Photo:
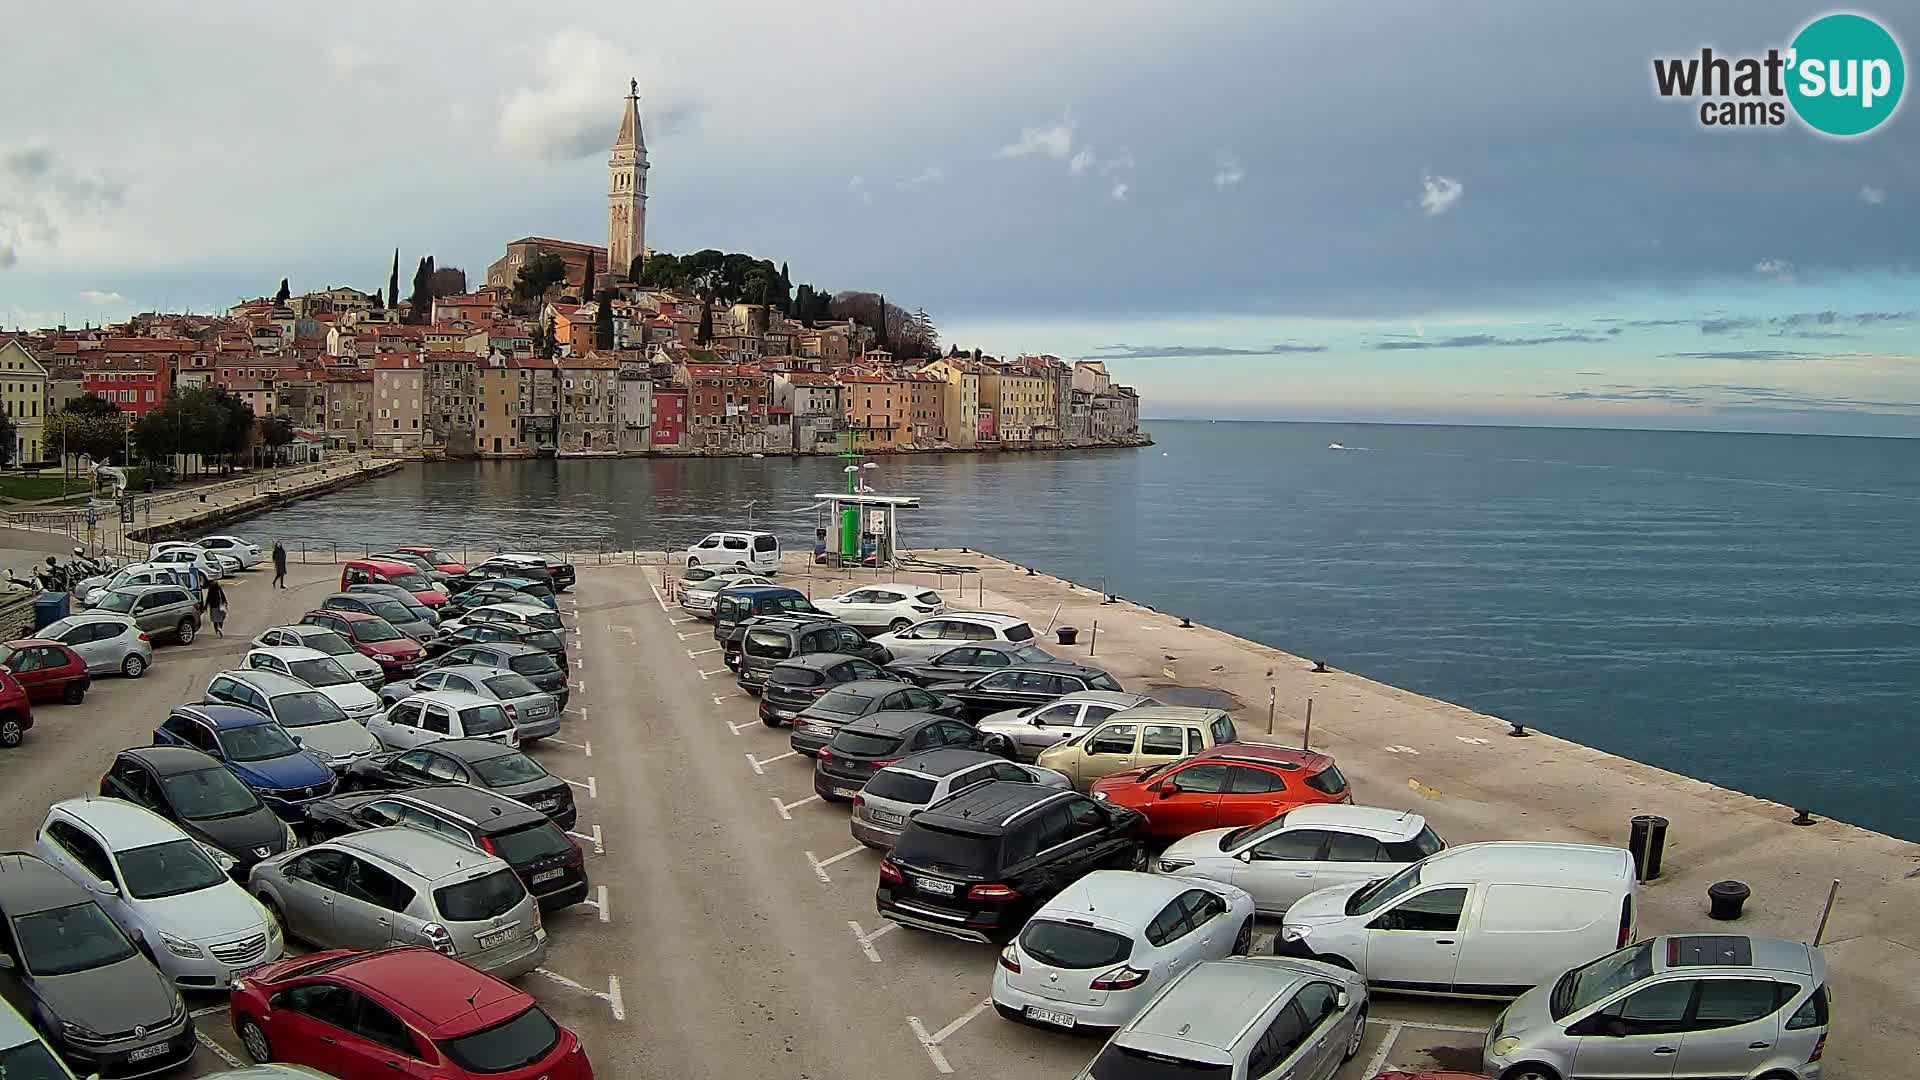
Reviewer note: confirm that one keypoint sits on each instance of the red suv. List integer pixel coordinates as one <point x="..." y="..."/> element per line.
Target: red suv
<point x="406" y="1012"/>
<point x="1231" y="785"/>
<point x="16" y="713"/>
<point x="397" y="654"/>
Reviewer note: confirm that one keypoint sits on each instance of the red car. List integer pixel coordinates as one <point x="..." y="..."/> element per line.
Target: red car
<point x="16" y="711"/>
<point x="387" y="572"/>
<point x="1231" y="785"/>
<point x="406" y="1012"/>
<point x="397" y="654"/>
<point x="49" y="670"/>
<point x="441" y="561"/>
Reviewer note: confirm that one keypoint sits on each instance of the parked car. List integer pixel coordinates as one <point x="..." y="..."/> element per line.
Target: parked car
<point x="1241" y="1018"/>
<point x="848" y="702"/>
<point x="498" y="566"/>
<point x="558" y="570"/>
<point x="373" y="637"/>
<point x="770" y="639"/>
<point x="757" y="552"/>
<point x="734" y="606"/>
<point x="697" y="599"/>
<point x="794" y="685"/>
<point x="323" y="673"/>
<point x="169" y="611"/>
<point x="284" y="774"/>
<point x="1294" y="853"/>
<point x="535" y="664"/>
<point x="329" y="642"/>
<point x="360" y="1016"/>
<point x="892" y="608"/>
<point x="398" y="615"/>
<point x="420" y="563"/>
<point x="1143" y="736"/>
<point x="244" y="552"/>
<point x="16" y="712"/>
<point x="497" y="591"/>
<point x="1482" y="920"/>
<point x="496" y="767"/>
<point x="309" y="716"/>
<point x="437" y="558"/>
<point x="362" y="571"/>
<point x="965" y="663"/>
<point x="1231" y="785"/>
<point x="170" y="893"/>
<point x="419" y="611"/>
<point x="110" y="644"/>
<point x="533" y="581"/>
<point x="441" y="714"/>
<point x="549" y="863"/>
<point x="977" y="865"/>
<point x="209" y="566"/>
<point x="1097" y="952"/>
<point x="898" y="791"/>
<point x="23" y="1053"/>
<point x="204" y="798"/>
<point x="405" y="886"/>
<point x="1033" y="729"/>
<point x="941" y="632"/>
<point x="102" y="1006"/>
<point x="534" y="712"/>
<point x="858" y="749"/>
<point x="1692" y="1005"/>
<point x="528" y="615"/>
<point x="1026" y="685"/>
<point x="49" y="670"/>
<point x="90" y="592"/>
<point x="505" y="633"/>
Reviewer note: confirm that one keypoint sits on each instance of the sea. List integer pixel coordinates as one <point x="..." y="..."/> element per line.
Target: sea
<point x="1740" y="608"/>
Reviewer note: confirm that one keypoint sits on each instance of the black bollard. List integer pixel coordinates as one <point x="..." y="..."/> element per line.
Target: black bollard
<point x="1647" y="839"/>
<point x="1067" y="634"/>
<point x="1519" y="730"/>
<point x="1725" y="898"/>
<point x="1802" y="817"/>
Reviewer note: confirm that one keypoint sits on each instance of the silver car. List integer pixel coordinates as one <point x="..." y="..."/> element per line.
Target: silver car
<point x="912" y="784"/>
<point x="404" y="886"/>
<point x="171" y="610"/>
<point x="1028" y="731"/>
<point x="326" y="640"/>
<point x="1692" y="1005"/>
<point x="697" y="599"/>
<point x="941" y="632"/>
<point x="535" y="714"/>
<point x="108" y="643"/>
<point x="309" y="715"/>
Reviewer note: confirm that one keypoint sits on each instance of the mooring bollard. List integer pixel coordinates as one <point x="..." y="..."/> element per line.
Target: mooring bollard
<point x="1802" y="817"/>
<point x="1067" y="634"/>
<point x="1518" y="730"/>
<point x="1725" y="899"/>
<point x="1186" y="623"/>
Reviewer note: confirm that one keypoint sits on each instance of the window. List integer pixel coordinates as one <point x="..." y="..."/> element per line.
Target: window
<point x="1435" y="912"/>
<point x="1113" y="739"/>
<point x="1202" y="907"/>
<point x="1300" y="845"/>
<point x="1316" y="1002"/>
<point x="1170" y="925"/>
<point x="1201" y="779"/>
<point x="1282" y="1038"/>
<point x="1163" y="740"/>
<point x="1729" y="1002"/>
<point x="1347" y="847"/>
<point x="324" y="1002"/>
<point x="367" y="882"/>
<point x="436" y="719"/>
<point x="324" y="867"/>
<point x="1652" y="1010"/>
<point x="84" y="849"/>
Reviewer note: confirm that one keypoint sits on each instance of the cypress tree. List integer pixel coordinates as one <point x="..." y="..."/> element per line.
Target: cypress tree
<point x="393" y="282"/>
<point x="603" y="322"/>
<point x="706" y="319"/>
<point x="586" y="283"/>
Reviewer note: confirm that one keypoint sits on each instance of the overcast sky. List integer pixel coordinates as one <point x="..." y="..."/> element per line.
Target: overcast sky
<point x="1275" y="210"/>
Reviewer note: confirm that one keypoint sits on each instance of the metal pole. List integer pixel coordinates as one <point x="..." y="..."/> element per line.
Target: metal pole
<point x="1055" y="615"/>
<point x="1269" y="710"/>
<point x="1094" y="638"/>
<point x="1833" y="891"/>
<point x="1306" y="737"/>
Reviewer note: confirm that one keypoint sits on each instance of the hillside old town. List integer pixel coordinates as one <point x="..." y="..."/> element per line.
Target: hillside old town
<point x="572" y="350"/>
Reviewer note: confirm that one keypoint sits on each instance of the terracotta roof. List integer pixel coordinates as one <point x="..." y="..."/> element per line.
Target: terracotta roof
<point x="450" y="356"/>
<point x="158" y="345"/>
<point x="532" y="363"/>
<point x="395" y="362"/>
<point x="561" y="245"/>
<point x="589" y="361"/>
<point x="810" y="378"/>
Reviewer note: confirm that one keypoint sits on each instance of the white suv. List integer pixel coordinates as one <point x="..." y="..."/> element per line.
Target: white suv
<point x="750" y="552"/>
<point x="930" y="635"/>
<point x="894" y="607"/>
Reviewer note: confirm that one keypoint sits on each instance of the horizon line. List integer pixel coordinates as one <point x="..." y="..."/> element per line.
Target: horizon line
<point x="1517" y="427"/>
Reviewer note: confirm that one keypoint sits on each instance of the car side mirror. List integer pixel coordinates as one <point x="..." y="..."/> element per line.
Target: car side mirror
<point x="6" y="962"/>
<point x="1340" y="999"/>
<point x="1245" y="856"/>
<point x="298" y="741"/>
<point x="1166" y="791"/>
<point x="107" y="888"/>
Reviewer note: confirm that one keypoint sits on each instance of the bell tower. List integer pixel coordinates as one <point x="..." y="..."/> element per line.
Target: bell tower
<point x="627" y="189"/>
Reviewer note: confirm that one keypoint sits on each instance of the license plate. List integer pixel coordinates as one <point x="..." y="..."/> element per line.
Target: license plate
<point x="547" y="804"/>
<point x="145" y="1052"/>
<point x="548" y="875"/>
<point x="845" y="793"/>
<point x="885" y="818"/>
<point x="938" y="888"/>
<point x="488" y="941"/>
<point x="1048" y="1016"/>
<point x="786" y="714"/>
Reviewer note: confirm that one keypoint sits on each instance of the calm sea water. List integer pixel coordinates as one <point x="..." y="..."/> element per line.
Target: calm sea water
<point x="1740" y="608"/>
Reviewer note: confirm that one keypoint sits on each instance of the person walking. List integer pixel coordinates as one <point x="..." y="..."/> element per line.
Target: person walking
<point x="217" y="607"/>
<point x="279" y="565"/>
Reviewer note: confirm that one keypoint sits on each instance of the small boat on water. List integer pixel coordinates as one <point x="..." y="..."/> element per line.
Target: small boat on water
<point x="1335" y="446"/>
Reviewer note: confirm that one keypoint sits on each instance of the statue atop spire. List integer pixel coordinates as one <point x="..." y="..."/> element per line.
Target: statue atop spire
<point x="633" y="88"/>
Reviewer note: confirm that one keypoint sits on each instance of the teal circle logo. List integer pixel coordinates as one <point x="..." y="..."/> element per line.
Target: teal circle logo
<point x="1847" y="74"/>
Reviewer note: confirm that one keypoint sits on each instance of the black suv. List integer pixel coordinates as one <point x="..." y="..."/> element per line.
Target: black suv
<point x="975" y="866"/>
<point x="773" y="638"/>
<point x="794" y="684"/>
<point x="548" y="862"/>
<point x="874" y="742"/>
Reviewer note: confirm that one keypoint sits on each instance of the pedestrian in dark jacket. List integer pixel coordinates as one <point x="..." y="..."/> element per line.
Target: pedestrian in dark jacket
<point x="279" y="565"/>
<point x="217" y="607"/>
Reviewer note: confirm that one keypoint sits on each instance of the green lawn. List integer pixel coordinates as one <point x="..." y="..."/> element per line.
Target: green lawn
<point x="45" y="486"/>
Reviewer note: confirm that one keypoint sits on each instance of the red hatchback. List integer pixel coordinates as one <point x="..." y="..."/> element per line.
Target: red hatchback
<point x="16" y="711"/>
<point x="373" y="637"/>
<point x="406" y="1012"/>
<point x="441" y="560"/>
<point x="49" y="670"/>
<point x="1228" y="786"/>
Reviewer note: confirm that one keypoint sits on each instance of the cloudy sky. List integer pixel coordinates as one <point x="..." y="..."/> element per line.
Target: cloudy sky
<point x="1362" y="211"/>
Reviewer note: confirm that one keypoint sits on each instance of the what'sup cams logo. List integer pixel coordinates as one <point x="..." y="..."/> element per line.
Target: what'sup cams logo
<point x="1842" y="76"/>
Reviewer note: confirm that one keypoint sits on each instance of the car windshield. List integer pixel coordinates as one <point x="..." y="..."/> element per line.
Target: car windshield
<point x="6" y="657"/>
<point x="900" y="787"/>
<point x="257" y="742"/>
<point x="1030" y="654"/>
<point x="1371" y="897"/>
<point x="544" y="639"/>
<point x="118" y="602"/>
<point x="169" y="869"/>
<point x="795" y="675"/>
<point x="533" y="664"/>
<point x="1584" y="986"/>
<point x="517" y="1043"/>
<point x="1118" y="1062"/>
<point x="506" y="686"/>
<point x="305" y="708"/>
<point x="1074" y="945"/>
<point x="61" y="941"/>
<point x="331" y="644"/>
<point x="325" y="671"/>
<point x="484" y="720"/>
<point x="31" y="1061"/>
<point x="508" y="769"/>
<point x="923" y="845"/>
<point x="848" y="702"/>
<point x="410" y="581"/>
<point x="205" y="794"/>
<point x="482" y="898"/>
<point x="371" y="630"/>
<point x="542" y="620"/>
<point x="1259" y="830"/>
<point x="538" y="841"/>
<point x="391" y="610"/>
<point x="1103" y="681"/>
<point x="864" y="744"/>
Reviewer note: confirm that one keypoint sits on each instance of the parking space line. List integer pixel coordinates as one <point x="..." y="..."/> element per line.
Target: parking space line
<point x="585" y="747"/>
<point x="599" y="845"/>
<point x="866" y="940"/>
<point x="219" y="1051"/>
<point x="684" y="637"/>
<point x="931" y="1043"/>
<point x="760" y="766"/>
<point x="737" y="728"/>
<point x="611" y="996"/>
<point x="590" y="787"/>
<point x="715" y="671"/>
<point x="658" y="599"/>
<point x="580" y="662"/>
<point x="208" y="1011"/>
<point x="671" y="621"/>
<point x="722" y="699"/>
<point x="1386" y="1049"/>
<point x="694" y="655"/>
<point x="783" y="808"/>
<point x="820" y="865"/>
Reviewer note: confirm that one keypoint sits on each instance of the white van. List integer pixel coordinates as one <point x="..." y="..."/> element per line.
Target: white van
<point x="752" y="552"/>
<point x="1483" y="920"/>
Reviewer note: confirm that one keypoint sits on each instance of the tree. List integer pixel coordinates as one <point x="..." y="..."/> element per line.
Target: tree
<point x="92" y="405"/>
<point x="8" y="437"/>
<point x="393" y="282"/>
<point x="281" y="296"/>
<point x="99" y="436"/>
<point x="706" y="319"/>
<point x="603" y="322"/>
<point x="420" y="300"/>
<point x="586" y="282"/>
<point x="547" y="336"/>
<point x="447" y="281"/>
<point x="378" y="303"/>
<point x="276" y="432"/>
<point x="786" y="287"/>
<point x="537" y="275"/>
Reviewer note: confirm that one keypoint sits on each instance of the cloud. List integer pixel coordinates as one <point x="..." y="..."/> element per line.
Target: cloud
<point x="1439" y="193"/>
<point x="1871" y="195"/>
<point x="1866" y="317"/>
<point x="104" y="299"/>
<point x="928" y="175"/>
<point x="1484" y="341"/>
<point x="1123" y="161"/>
<point x="1728" y="325"/>
<point x="1054" y="140"/>
<point x="1744" y="354"/>
<point x="1724" y="397"/>
<point x="1778" y="269"/>
<point x="572" y="108"/>
<point x="856" y="181"/>
<point x="1081" y="162"/>
<point x="1229" y="173"/>
<point x="39" y="192"/>
<point x="354" y="65"/>
<point x="1145" y="352"/>
<point x="1120" y="192"/>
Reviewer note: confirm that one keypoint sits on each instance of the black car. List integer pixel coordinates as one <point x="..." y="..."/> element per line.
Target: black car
<point x="976" y="865"/>
<point x="480" y="762"/>
<point x="1026" y="684"/>
<point x="531" y="661"/>
<point x="203" y="797"/>
<point x="549" y="863"/>
<point x="872" y="743"/>
<point x="773" y="638"/>
<point x="850" y="701"/>
<point x="793" y="685"/>
<point x="965" y="663"/>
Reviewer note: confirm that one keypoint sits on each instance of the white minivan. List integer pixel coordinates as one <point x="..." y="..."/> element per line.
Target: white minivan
<point x="1483" y="920"/>
<point x="752" y="552"/>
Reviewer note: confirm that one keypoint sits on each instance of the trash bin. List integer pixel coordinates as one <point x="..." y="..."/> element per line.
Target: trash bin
<point x="1725" y="899"/>
<point x="1648" y="842"/>
<point x="49" y="608"/>
<point x="1067" y="634"/>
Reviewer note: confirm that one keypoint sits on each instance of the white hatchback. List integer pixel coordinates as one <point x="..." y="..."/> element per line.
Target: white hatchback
<point x="246" y="553"/>
<point x="323" y="673"/>
<point x="1096" y="953"/>
<point x="930" y="636"/>
<point x="883" y="607"/>
<point x="443" y="714"/>
<point x="1288" y="856"/>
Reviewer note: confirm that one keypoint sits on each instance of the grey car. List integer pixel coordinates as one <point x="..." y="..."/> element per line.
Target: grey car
<point x="405" y="886"/>
<point x="65" y="965"/>
<point x="421" y="612"/>
<point x="815" y="725"/>
<point x="110" y="644"/>
<point x="535" y="713"/>
<point x="1022" y="733"/>
<point x="323" y="639"/>
<point x="913" y="783"/>
<point x="161" y="610"/>
<point x="1692" y="1005"/>
<point x="309" y="715"/>
<point x="400" y="615"/>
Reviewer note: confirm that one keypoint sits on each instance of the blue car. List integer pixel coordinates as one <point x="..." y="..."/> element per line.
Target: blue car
<point x="256" y="749"/>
